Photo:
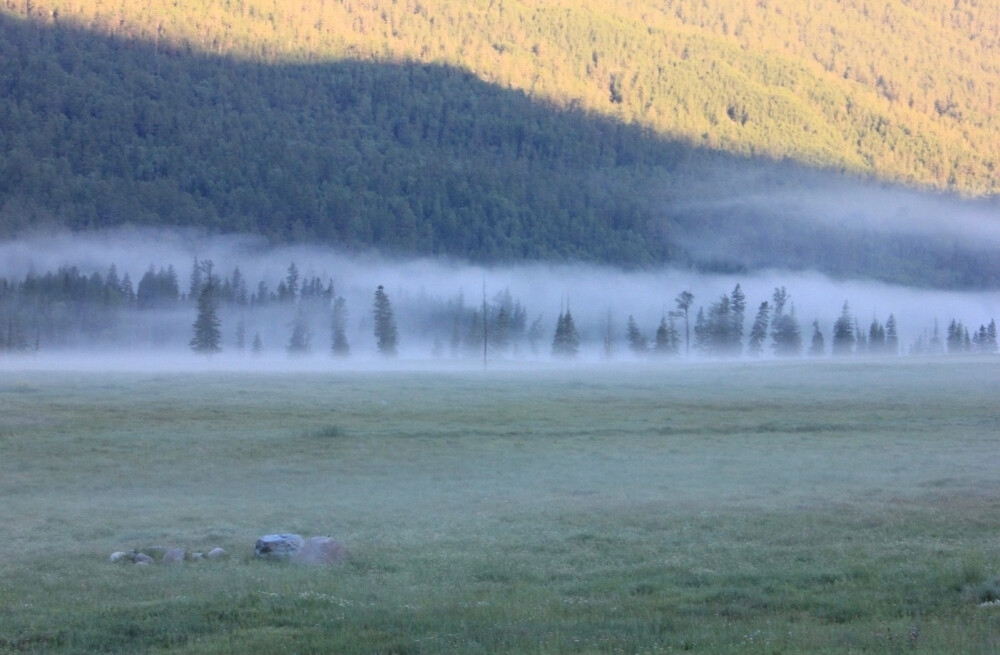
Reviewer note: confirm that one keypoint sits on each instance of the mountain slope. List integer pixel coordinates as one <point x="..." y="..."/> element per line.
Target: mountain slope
<point x="904" y="90"/>
<point x="107" y="125"/>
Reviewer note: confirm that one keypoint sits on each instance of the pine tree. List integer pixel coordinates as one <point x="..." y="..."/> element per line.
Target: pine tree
<point x="338" y="325"/>
<point x="258" y="344"/>
<point x="737" y="314"/>
<point x="386" y="335"/>
<point x="301" y="338"/>
<point x="785" y="333"/>
<point x="566" y="342"/>
<point x="843" y="333"/>
<point x="194" y="290"/>
<point x="637" y="341"/>
<point x="207" y="335"/>
<point x="667" y="339"/>
<point x="891" y="336"/>
<point x="499" y="336"/>
<point x="758" y="333"/>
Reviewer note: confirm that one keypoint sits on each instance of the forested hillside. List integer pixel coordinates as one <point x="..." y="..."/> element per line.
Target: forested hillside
<point x="499" y="131"/>
<point x="908" y="90"/>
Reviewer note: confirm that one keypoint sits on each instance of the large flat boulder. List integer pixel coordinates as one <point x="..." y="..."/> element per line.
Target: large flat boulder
<point x="278" y="546"/>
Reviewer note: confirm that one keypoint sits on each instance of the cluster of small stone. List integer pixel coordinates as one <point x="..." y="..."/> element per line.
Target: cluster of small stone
<point x="168" y="556"/>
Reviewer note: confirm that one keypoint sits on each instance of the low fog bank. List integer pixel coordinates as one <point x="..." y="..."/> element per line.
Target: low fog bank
<point x="435" y="304"/>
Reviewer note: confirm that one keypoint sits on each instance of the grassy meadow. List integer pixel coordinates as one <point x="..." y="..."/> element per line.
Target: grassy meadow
<point x="801" y="507"/>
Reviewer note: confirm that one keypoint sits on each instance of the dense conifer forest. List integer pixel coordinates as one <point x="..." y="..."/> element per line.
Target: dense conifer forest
<point x="504" y="131"/>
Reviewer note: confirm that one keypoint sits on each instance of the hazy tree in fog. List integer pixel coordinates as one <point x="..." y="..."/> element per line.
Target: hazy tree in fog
<point x="860" y="341"/>
<point x="667" y="342"/>
<point x="566" y="341"/>
<point x="195" y="287"/>
<point x="258" y="345"/>
<point x="291" y="284"/>
<point x="758" y="332"/>
<point x="891" y="336"/>
<point x="637" y="341"/>
<point x="684" y="301"/>
<point x="817" y="348"/>
<point x="876" y="338"/>
<point x="609" y="338"/>
<point x="843" y="333"/>
<point x="737" y="314"/>
<point x="241" y="334"/>
<point x="499" y="336"/>
<point x="338" y="326"/>
<point x="207" y="335"/>
<point x="473" y="343"/>
<point x="535" y="335"/>
<point x="128" y="293"/>
<point x="785" y="333"/>
<point x="958" y="338"/>
<point x="386" y="334"/>
<point x="300" y="338"/>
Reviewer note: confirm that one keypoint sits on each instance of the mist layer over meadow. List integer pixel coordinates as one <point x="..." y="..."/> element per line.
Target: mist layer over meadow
<point x="437" y="304"/>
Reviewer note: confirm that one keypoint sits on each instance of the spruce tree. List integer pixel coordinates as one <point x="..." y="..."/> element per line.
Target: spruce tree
<point x="891" y="336"/>
<point x="386" y="335"/>
<point x="737" y="314"/>
<point x="785" y="333"/>
<point x="843" y="332"/>
<point x="637" y="341"/>
<point x="758" y="332"/>
<point x="300" y="339"/>
<point x="566" y="341"/>
<point x="207" y="334"/>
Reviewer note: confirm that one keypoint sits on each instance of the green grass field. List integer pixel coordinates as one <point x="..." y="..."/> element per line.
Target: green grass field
<point x="830" y="507"/>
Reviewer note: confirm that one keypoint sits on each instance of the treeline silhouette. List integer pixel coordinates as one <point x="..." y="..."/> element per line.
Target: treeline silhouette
<point x="69" y="309"/>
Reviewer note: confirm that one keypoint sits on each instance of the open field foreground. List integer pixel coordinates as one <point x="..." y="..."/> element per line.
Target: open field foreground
<point x="820" y="507"/>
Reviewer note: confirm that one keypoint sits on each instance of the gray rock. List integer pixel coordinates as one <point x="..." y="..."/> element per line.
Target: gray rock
<point x="216" y="553"/>
<point x="278" y="546"/>
<point x="173" y="556"/>
<point x="142" y="558"/>
<point x="321" y="551"/>
<point x="117" y="556"/>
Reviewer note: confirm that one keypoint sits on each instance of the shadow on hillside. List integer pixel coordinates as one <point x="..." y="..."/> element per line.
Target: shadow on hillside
<point x="405" y="158"/>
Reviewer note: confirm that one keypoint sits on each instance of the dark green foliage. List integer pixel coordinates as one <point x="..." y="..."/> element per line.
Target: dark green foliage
<point x="566" y="341"/>
<point x="785" y="333"/>
<point x="637" y="341"/>
<point x="843" y="332"/>
<point x="300" y="339"/>
<point x="207" y="338"/>
<point x="102" y="131"/>
<point x="667" y="343"/>
<point x="386" y="333"/>
<point x="758" y="333"/>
